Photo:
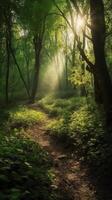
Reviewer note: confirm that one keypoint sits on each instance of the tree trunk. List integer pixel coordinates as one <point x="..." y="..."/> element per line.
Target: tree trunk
<point x="38" y="40"/>
<point x="74" y="53"/>
<point x="83" y="87"/>
<point x="28" y="74"/>
<point x="101" y="70"/>
<point x="38" y="47"/>
<point x="7" y="71"/>
<point x="66" y="61"/>
<point x="97" y="91"/>
<point x="8" y="24"/>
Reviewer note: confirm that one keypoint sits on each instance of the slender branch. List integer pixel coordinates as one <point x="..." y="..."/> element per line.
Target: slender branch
<point x="87" y="36"/>
<point x="109" y="34"/>
<point x="62" y="14"/>
<point x="13" y="55"/>
<point x="53" y="13"/>
<point x="91" y="65"/>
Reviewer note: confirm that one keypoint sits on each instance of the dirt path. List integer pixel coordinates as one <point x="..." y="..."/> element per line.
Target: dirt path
<point x="70" y="179"/>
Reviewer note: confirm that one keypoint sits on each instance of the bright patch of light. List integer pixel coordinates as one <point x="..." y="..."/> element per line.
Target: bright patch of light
<point x="23" y="32"/>
<point x="53" y="75"/>
<point x="80" y="23"/>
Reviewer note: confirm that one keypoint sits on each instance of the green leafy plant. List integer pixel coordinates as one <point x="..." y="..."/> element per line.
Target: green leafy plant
<point x="22" y="116"/>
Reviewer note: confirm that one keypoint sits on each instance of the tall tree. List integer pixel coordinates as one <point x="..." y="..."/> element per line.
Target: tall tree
<point x="8" y="25"/>
<point x="98" y="38"/>
<point x="102" y="80"/>
<point x="35" y="15"/>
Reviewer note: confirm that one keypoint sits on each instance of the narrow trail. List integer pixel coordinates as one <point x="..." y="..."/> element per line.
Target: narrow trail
<point x="71" y="179"/>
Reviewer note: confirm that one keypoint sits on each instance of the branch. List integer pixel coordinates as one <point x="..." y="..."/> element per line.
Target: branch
<point x="53" y="13"/>
<point x="62" y="14"/>
<point x="90" y="69"/>
<point x="87" y="36"/>
<point x="13" y="55"/>
<point x="89" y="63"/>
<point x="91" y="66"/>
<point x="78" y="42"/>
<point x="108" y="34"/>
<point x="74" y="2"/>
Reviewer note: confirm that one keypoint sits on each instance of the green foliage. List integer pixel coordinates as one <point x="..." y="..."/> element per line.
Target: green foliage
<point x="56" y="106"/>
<point x="21" y="116"/>
<point x="83" y="131"/>
<point x="80" y="77"/>
<point x="34" y="14"/>
<point x="83" y="120"/>
<point x="25" y="169"/>
<point x="58" y="128"/>
<point x="79" y="122"/>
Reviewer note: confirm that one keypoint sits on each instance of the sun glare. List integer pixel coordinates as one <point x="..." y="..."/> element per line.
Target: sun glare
<point x="80" y="22"/>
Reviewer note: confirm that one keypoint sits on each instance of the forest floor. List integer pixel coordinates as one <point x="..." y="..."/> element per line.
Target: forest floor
<point x="71" y="180"/>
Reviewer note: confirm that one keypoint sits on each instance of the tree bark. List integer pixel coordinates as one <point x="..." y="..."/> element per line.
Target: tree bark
<point x="8" y="24"/>
<point x="101" y="70"/>
<point x="97" y="91"/>
<point x="7" y="71"/>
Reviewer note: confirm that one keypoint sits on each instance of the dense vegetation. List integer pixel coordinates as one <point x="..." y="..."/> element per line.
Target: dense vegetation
<point x="55" y="73"/>
<point x="25" y="168"/>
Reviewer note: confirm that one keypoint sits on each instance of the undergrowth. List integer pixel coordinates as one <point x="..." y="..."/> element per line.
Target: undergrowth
<point x="55" y="107"/>
<point x="81" y="126"/>
<point x="21" y="116"/>
<point x="25" y="168"/>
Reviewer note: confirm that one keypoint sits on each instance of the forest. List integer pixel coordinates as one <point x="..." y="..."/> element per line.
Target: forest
<point x="55" y="100"/>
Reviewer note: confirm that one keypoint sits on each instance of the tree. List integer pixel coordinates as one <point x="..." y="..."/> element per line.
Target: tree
<point x="101" y="71"/>
<point x="35" y="16"/>
<point x="102" y="80"/>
